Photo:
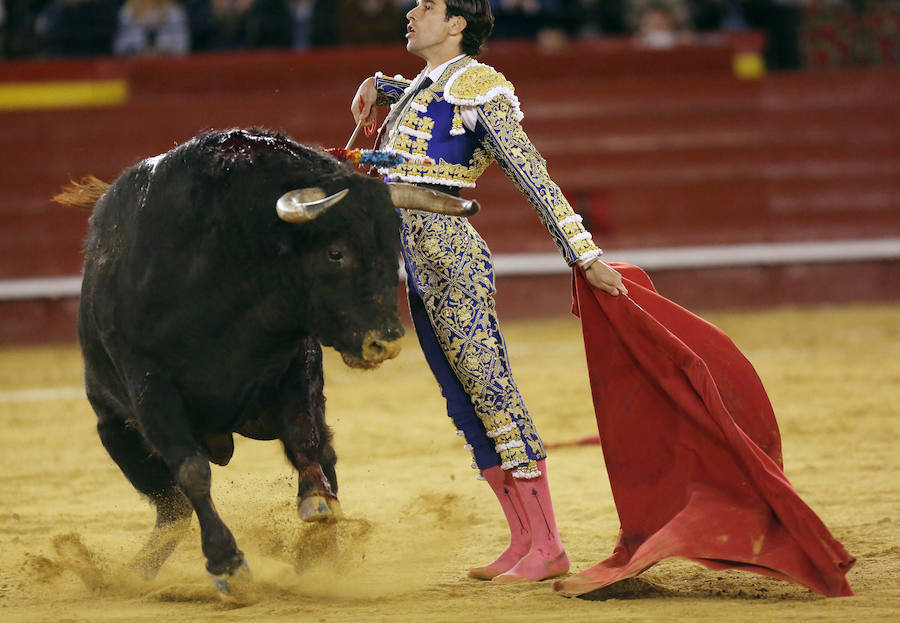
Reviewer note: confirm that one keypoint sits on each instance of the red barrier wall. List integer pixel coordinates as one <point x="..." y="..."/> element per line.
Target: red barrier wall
<point x="307" y="95"/>
<point x="654" y="148"/>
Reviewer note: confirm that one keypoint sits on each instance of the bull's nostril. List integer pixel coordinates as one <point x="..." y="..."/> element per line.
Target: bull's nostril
<point x="377" y="347"/>
<point x="379" y="350"/>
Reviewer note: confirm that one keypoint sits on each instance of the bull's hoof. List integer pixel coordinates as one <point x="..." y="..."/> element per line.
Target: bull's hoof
<point x="232" y="585"/>
<point x="317" y="508"/>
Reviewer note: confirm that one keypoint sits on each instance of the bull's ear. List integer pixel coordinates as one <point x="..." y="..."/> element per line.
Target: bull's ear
<point x="305" y="204"/>
<point x="412" y="197"/>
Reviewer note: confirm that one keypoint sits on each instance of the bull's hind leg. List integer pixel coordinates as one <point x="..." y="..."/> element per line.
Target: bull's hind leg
<point x="166" y="428"/>
<point x="151" y="476"/>
<point x="307" y="440"/>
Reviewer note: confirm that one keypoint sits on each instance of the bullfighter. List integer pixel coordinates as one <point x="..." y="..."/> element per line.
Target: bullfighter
<point x="454" y="118"/>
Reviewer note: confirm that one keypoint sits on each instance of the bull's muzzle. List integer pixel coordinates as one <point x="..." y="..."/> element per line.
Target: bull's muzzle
<point x="375" y="349"/>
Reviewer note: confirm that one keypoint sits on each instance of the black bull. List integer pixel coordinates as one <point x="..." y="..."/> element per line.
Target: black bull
<point x="203" y="308"/>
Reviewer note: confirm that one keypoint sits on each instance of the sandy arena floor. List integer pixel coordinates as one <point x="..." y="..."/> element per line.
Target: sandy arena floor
<point x="417" y="518"/>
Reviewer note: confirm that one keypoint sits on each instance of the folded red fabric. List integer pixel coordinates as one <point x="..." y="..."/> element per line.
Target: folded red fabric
<point x="692" y="448"/>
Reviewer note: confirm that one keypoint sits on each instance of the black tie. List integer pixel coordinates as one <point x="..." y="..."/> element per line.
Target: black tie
<point x="427" y="82"/>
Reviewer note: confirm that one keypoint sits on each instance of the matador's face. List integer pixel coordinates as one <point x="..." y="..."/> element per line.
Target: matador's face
<point x="429" y="33"/>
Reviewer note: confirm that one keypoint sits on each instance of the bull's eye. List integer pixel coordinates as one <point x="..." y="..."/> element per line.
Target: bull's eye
<point x="334" y="255"/>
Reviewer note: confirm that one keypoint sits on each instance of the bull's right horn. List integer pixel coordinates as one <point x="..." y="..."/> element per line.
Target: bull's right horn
<point x="305" y="204"/>
<point x="412" y="197"/>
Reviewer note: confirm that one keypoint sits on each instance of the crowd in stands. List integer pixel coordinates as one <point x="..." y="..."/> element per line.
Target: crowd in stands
<point x="798" y="32"/>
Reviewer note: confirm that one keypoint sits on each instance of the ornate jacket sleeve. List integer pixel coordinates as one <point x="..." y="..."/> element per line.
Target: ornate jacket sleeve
<point x="390" y="90"/>
<point x="503" y="137"/>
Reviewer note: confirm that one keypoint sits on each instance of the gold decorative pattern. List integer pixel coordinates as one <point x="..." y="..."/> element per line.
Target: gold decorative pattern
<point x="441" y="172"/>
<point x="389" y="90"/>
<point x="456" y="126"/>
<point x="410" y="145"/>
<point x="413" y="116"/>
<point x="476" y="84"/>
<point x="453" y="271"/>
<point x="422" y="123"/>
<point x="507" y="142"/>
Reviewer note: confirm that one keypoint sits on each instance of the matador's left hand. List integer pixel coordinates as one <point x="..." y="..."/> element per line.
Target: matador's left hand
<point x="602" y="276"/>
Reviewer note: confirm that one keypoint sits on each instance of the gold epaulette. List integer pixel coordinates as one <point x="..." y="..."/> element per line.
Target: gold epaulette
<point x="476" y="84"/>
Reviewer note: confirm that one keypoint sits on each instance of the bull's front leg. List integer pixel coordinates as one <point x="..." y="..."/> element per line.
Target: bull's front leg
<point x="307" y="440"/>
<point x="164" y="423"/>
<point x="316" y="501"/>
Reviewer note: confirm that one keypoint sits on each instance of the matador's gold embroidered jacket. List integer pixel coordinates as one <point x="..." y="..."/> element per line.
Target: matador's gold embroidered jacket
<point x="430" y="123"/>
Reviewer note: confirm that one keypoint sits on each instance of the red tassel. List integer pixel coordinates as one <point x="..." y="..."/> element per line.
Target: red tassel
<point x="337" y="152"/>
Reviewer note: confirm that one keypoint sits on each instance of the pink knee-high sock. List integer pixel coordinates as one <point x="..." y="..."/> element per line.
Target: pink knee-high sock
<point x="546" y="558"/>
<point x="503" y="485"/>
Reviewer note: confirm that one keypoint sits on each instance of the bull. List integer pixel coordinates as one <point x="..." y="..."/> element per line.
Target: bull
<point x="213" y="274"/>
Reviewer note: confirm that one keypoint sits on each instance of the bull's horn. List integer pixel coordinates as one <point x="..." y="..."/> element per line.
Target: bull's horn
<point x="412" y="197"/>
<point x="305" y="204"/>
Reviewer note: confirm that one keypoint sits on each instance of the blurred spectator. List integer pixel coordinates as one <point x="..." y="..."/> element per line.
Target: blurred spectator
<point x="240" y="24"/>
<point x="302" y="23"/>
<point x="77" y="27"/>
<point x="661" y="25"/>
<point x="678" y="12"/>
<point x="364" y="22"/>
<point x="152" y="27"/>
<point x="815" y="33"/>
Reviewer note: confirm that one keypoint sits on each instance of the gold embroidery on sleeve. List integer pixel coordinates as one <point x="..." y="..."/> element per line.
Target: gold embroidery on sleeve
<point x="507" y="142"/>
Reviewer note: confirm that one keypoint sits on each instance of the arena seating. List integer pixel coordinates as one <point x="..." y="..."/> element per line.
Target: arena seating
<point x="654" y="148"/>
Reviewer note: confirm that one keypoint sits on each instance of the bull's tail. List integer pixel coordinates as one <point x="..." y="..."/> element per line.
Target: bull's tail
<point x="82" y="194"/>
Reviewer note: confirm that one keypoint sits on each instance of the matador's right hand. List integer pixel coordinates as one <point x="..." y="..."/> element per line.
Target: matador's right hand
<point x="363" y="105"/>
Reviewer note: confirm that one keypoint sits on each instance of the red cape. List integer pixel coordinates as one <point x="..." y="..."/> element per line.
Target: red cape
<point x="692" y="448"/>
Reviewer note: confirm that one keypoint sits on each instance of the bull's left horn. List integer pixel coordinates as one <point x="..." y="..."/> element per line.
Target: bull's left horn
<point x="305" y="204"/>
<point x="412" y="197"/>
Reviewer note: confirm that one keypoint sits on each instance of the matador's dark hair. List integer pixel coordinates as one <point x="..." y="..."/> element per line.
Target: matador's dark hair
<point x="479" y="22"/>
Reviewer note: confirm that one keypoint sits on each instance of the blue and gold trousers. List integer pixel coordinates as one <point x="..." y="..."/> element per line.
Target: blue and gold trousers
<point x="451" y="290"/>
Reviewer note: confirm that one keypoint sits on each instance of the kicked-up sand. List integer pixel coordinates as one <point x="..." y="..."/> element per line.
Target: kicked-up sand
<point x="416" y="518"/>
